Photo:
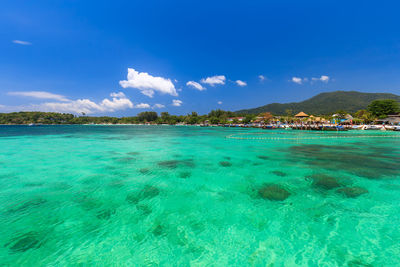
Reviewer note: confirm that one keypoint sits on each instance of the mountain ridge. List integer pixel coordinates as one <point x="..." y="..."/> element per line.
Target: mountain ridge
<point x="324" y="103"/>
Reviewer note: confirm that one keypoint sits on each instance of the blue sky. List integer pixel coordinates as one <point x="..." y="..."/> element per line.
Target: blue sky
<point x="73" y="56"/>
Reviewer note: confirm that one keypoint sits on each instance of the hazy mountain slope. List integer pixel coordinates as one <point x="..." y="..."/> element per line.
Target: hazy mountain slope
<point x="325" y="103"/>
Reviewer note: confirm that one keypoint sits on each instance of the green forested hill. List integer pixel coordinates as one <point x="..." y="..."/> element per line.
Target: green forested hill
<point x="324" y="103"/>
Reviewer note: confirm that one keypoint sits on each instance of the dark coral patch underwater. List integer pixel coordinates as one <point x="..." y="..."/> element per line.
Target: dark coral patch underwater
<point x="24" y="242"/>
<point x="125" y="159"/>
<point x="352" y="192"/>
<point x="173" y="164"/>
<point x="134" y="153"/>
<point x="30" y="204"/>
<point x="148" y="192"/>
<point x="145" y="170"/>
<point x="279" y="173"/>
<point x="323" y="181"/>
<point x="184" y="175"/>
<point x="363" y="162"/>
<point x="273" y="192"/>
<point x="225" y="163"/>
<point x="105" y="214"/>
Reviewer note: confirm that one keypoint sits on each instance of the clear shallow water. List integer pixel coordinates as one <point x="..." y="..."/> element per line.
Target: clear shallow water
<point x="163" y="195"/>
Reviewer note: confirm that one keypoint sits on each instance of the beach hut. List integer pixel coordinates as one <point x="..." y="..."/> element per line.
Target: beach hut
<point x="348" y="117"/>
<point x="235" y="118"/>
<point x="301" y="115"/>
<point x="391" y="119"/>
<point x="311" y="118"/>
<point x="258" y="119"/>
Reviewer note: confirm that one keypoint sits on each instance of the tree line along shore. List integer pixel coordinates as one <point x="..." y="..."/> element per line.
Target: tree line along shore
<point x="377" y="109"/>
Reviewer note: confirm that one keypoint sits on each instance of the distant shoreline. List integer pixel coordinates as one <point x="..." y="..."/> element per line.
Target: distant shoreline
<point x="309" y="127"/>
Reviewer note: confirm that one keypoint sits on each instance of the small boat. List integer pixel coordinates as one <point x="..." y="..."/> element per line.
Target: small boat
<point x="357" y="127"/>
<point x="372" y="127"/>
<point x="269" y="127"/>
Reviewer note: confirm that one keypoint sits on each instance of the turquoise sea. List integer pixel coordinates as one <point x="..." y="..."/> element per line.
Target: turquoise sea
<point x="196" y="196"/>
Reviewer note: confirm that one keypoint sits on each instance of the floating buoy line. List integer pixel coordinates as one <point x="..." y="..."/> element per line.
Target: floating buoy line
<point x="247" y="136"/>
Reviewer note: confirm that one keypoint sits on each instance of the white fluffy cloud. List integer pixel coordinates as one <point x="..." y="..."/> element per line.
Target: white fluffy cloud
<point x="21" y="42"/>
<point x="195" y="85"/>
<point x="158" y="106"/>
<point x="120" y="94"/>
<point x="77" y="106"/>
<point x="142" y="105"/>
<point x="118" y="102"/>
<point x="214" y="80"/>
<point x="219" y="102"/>
<point x="148" y="84"/>
<point x="108" y="105"/>
<point x="39" y="95"/>
<point x="323" y="78"/>
<point x="176" y="103"/>
<point x="297" y="80"/>
<point x="241" y="83"/>
<point x="261" y="77"/>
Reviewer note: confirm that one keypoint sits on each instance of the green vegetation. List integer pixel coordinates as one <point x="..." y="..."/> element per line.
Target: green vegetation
<point x="36" y="117"/>
<point x="376" y="109"/>
<point x="384" y="107"/>
<point x="214" y="117"/>
<point x="324" y="104"/>
<point x="147" y="116"/>
<point x="363" y="116"/>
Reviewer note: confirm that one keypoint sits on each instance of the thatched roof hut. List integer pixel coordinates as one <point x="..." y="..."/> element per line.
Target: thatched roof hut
<point x="348" y="117"/>
<point x="301" y="115"/>
<point x="391" y="119"/>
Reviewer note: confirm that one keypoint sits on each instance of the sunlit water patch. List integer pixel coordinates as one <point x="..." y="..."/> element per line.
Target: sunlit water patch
<point x="169" y="196"/>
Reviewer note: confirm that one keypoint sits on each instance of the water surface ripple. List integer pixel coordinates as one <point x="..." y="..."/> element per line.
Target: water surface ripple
<point x="180" y="196"/>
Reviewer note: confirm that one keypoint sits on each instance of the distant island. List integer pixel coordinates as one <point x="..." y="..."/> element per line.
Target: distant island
<point x="361" y="107"/>
<point x="324" y="103"/>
